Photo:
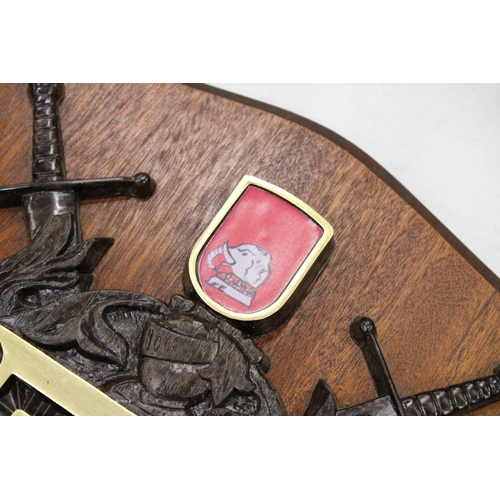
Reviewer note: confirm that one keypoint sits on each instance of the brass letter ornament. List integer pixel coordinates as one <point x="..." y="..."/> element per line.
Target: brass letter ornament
<point x="27" y="363"/>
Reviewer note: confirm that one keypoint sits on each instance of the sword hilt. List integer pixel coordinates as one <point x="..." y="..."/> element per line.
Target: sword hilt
<point x="48" y="151"/>
<point x="452" y="400"/>
<point x="455" y="399"/>
<point x="364" y="333"/>
<point x="50" y="193"/>
<point x="324" y="402"/>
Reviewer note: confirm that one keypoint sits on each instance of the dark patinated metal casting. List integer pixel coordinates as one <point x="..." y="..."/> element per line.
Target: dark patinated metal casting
<point x="452" y="400"/>
<point x="151" y="357"/>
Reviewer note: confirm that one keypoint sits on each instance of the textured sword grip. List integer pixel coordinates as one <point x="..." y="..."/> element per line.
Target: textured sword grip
<point x="48" y="152"/>
<point x="455" y="399"/>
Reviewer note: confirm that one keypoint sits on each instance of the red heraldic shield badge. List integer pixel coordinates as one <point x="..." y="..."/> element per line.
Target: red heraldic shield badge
<point x="259" y="256"/>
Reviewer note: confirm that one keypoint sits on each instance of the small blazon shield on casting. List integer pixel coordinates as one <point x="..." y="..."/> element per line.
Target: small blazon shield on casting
<point x="259" y="256"/>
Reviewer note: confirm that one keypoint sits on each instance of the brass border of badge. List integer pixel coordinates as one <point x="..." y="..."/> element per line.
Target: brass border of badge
<point x="268" y="318"/>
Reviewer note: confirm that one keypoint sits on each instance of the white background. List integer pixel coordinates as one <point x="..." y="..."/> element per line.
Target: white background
<point x="441" y="141"/>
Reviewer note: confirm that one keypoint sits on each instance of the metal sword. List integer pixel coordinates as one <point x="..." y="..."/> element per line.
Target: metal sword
<point x="452" y="400"/>
<point x="51" y="193"/>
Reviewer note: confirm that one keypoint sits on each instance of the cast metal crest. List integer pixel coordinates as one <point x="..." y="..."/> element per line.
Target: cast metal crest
<point x="66" y="349"/>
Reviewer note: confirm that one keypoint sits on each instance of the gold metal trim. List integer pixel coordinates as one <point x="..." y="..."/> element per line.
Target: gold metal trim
<point x="51" y="379"/>
<point x="20" y="413"/>
<point x="245" y="182"/>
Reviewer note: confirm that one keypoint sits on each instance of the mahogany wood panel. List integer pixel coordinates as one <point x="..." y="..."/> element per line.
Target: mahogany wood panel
<point x="437" y="308"/>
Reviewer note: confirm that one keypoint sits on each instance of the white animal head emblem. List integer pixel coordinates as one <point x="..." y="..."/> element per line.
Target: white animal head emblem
<point x="248" y="262"/>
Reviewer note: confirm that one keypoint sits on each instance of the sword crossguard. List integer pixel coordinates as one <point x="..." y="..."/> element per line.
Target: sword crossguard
<point x="140" y="185"/>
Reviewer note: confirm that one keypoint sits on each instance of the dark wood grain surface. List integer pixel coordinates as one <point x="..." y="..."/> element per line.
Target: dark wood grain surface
<point x="436" y="307"/>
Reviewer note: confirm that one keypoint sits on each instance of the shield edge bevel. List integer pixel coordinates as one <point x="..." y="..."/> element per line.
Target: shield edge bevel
<point x="245" y="182"/>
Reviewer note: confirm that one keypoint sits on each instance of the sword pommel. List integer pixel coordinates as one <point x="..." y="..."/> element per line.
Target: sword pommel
<point x="48" y="151"/>
<point x="362" y="329"/>
<point x="143" y="186"/>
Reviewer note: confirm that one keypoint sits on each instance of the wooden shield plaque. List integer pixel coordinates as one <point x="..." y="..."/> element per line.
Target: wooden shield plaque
<point x="436" y="306"/>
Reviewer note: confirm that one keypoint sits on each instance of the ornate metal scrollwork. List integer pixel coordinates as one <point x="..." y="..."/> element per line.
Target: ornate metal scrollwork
<point x="151" y="357"/>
